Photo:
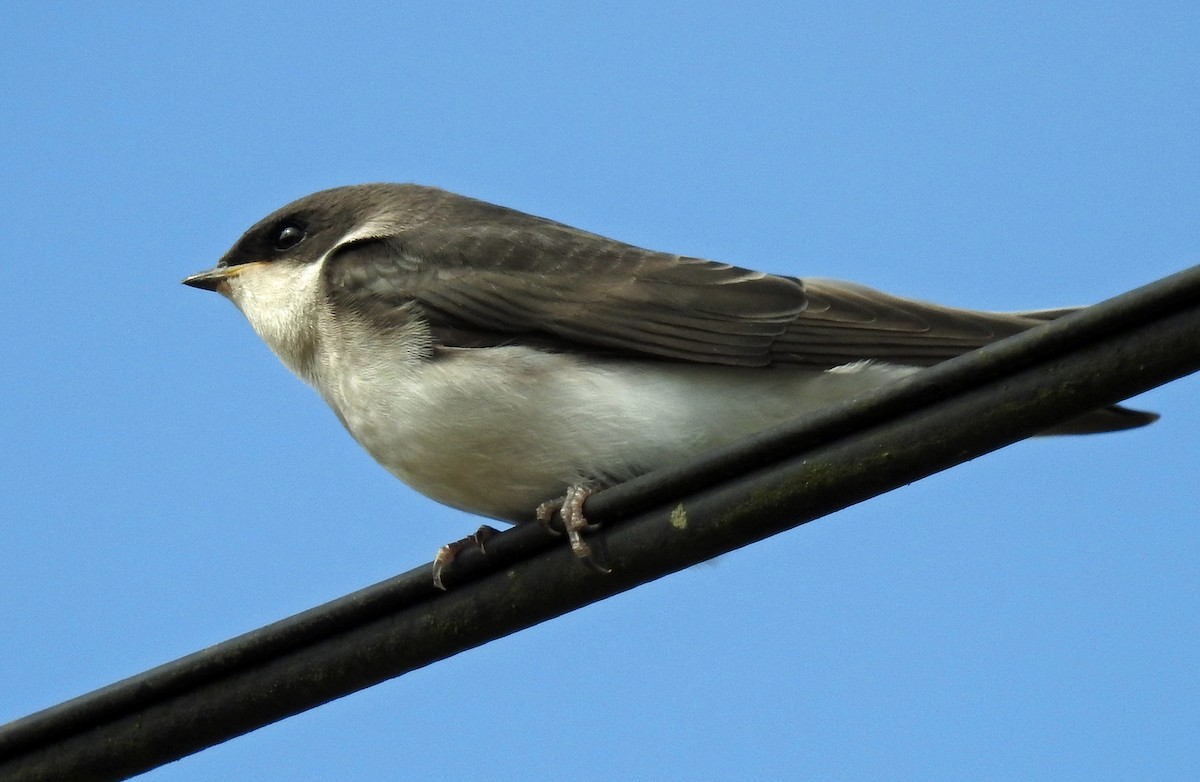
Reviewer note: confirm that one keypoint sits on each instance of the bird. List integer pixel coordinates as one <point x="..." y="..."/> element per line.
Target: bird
<point x="509" y="365"/>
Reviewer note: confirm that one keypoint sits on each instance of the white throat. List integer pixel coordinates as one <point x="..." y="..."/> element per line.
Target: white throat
<point x="284" y="305"/>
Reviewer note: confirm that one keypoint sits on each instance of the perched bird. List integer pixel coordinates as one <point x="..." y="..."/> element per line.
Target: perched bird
<point x="494" y="360"/>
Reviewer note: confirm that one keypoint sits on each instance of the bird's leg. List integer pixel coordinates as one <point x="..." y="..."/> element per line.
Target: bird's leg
<point x="447" y="553"/>
<point x="570" y="510"/>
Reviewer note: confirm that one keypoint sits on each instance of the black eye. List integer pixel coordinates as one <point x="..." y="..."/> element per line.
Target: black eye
<point x="288" y="236"/>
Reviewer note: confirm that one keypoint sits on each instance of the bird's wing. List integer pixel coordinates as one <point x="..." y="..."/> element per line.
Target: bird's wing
<point x="485" y="275"/>
<point x="846" y="322"/>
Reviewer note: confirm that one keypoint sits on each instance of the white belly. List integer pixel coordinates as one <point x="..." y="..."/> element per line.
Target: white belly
<point x="496" y="431"/>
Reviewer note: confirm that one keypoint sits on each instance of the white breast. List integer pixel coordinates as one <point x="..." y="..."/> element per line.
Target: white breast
<point x="496" y="431"/>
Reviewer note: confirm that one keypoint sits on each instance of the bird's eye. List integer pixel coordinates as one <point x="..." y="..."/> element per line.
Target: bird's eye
<point x="288" y="236"/>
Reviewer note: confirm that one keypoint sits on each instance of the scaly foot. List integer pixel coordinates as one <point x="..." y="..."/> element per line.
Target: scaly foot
<point x="570" y="510"/>
<point x="447" y="553"/>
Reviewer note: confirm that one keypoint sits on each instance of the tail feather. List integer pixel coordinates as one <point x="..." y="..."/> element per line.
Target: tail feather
<point x="1107" y="419"/>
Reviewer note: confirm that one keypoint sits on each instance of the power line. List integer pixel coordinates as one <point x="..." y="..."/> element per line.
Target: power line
<point x="654" y="525"/>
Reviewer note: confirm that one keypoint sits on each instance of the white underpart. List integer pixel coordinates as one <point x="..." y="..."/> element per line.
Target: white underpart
<point x="279" y="300"/>
<point x="496" y="431"/>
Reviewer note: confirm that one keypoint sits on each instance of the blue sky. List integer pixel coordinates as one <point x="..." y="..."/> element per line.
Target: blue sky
<point x="165" y="484"/>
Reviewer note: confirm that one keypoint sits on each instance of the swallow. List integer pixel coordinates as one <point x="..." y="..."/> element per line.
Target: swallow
<point x="509" y="365"/>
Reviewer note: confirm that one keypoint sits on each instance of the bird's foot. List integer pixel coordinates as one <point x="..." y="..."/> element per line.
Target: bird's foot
<point x="570" y="510"/>
<point x="447" y="553"/>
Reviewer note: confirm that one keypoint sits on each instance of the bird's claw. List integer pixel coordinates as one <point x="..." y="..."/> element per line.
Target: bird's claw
<point x="570" y="510"/>
<point x="574" y="524"/>
<point x="447" y="553"/>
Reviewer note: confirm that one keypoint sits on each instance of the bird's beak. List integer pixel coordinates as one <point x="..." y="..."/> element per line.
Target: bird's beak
<point x="212" y="279"/>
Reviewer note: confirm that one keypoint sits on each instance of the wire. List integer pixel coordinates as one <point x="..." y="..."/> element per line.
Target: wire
<point x="653" y="525"/>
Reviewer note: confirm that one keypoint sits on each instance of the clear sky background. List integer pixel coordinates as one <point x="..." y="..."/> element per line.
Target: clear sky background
<point x="165" y="484"/>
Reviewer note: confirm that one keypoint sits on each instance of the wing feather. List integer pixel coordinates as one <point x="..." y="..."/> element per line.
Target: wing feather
<point x="483" y="274"/>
